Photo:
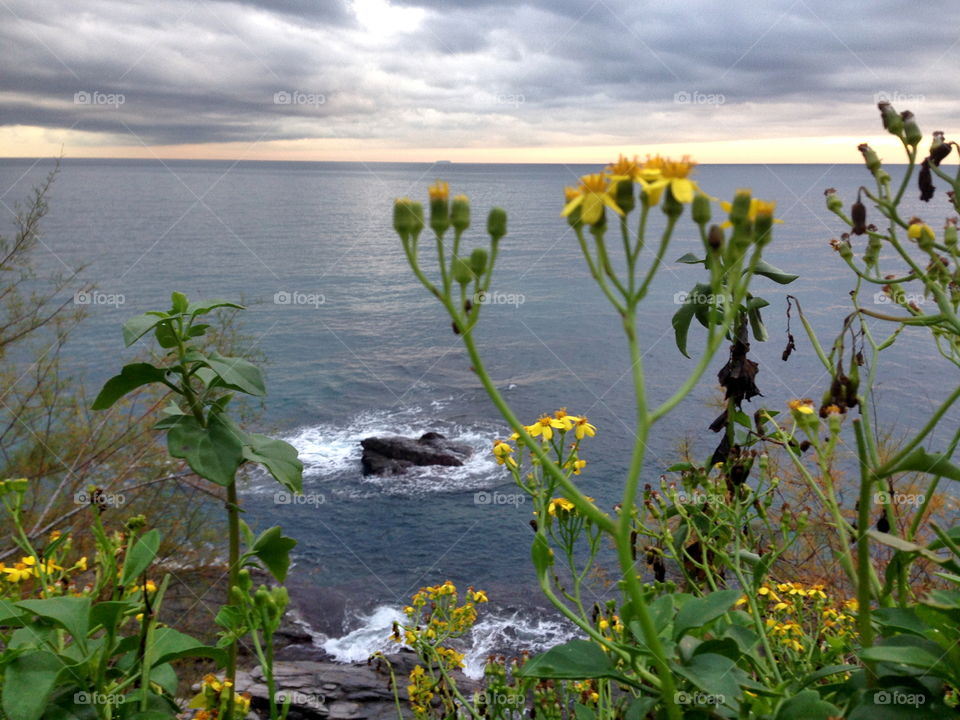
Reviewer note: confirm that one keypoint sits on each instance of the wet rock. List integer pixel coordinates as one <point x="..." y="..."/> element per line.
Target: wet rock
<point x="393" y="454"/>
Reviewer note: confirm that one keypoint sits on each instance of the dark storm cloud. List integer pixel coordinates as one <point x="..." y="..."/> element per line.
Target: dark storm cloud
<point x="448" y="73"/>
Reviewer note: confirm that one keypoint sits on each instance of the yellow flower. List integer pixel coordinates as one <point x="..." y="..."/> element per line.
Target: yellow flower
<point x="544" y="426"/>
<point x="502" y="451"/>
<point x="742" y="600"/>
<point x="757" y="207"/>
<point x="625" y="168"/>
<point x="567" y="420"/>
<point x="20" y="571"/>
<point x="55" y="535"/>
<point x="151" y="586"/>
<point x="560" y="503"/>
<point x="577" y="466"/>
<point x="584" y="428"/>
<point x="780" y="606"/>
<point x="804" y="407"/>
<point x="593" y="196"/>
<point x="672" y="174"/>
<point x="440" y="190"/>
<point x="81" y="564"/>
<point x="480" y="596"/>
<point x="918" y="228"/>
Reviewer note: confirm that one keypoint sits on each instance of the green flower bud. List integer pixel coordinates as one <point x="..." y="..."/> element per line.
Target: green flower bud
<point x="416" y="209"/>
<point x="715" y="238"/>
<point x="950" y="234"/>
<point x="136" y="522"/>
<point x="403" y="218"/>
<point x="911" y="131"/>
<point x="281" y="597"/>
<point x="236" y="596"/>
<point x="740" y="207"/>
<point x="497" y="223"/>
<point x="870" y="157"/>
<point x="460" y="213"/>
<point x="846" y="252"/>
<point x="478" y="261"/>
<point x="671" y="207"/>
<point x="462" y="272"/>
<point x="623" y="195"/>
<point x="261" y="597"/>
<point x="834" y="203"/>
<point x="892" y="121"/>
<point x="244" y="580"/>
<point x="701" y="209"/>
<point x="763" y="228"/>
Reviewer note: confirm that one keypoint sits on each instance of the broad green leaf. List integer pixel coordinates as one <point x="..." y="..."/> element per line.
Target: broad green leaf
<point x="238" y="374"/>
<point x="179" y="302"/>
<point x="715" y="675"/>
<point x="28" y="681"/>
<point x="697" y="612"/>
<point x="777" y="275"/>
<point x="71" y="613"/>
<point x="640" y="708"/>
<point x="807" y="705"/>
<point x="197" y="330"/>
<point x="910" y="655"/>
<point x="139" y="325"/>
<point x="142" y="553"/>
<point x="901" y="619"/>
<point x="690" y="259"/>
<point x="10" y="614"/>
<point x="213" y="452"/>
<point x="165" y="335"/>
<point x="681" y="325"/>
<point x="919" y="460"/>
<point x="574" y="660"/>
<point x="757" y="327"/>
<point x="273" y="549"/>
<point x="107" y="614"/>
<point x="202" y="307"/>
<point x="130" y="378"/>
<point x="278" y="457"/>
<point x="582" y="712"/>
<point x="169" y="644"/>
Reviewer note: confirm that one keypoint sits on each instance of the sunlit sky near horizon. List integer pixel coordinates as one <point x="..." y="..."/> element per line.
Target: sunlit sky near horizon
<point x="484" y="81"/>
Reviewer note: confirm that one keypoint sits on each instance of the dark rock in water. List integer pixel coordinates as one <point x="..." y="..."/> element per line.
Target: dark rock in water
<point x="392" y="454"/>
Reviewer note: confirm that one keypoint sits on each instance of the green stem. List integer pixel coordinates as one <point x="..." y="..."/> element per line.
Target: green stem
<point x="864" y="595"/>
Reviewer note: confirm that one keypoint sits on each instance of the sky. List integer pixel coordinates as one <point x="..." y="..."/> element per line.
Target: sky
<point x="484" y="81"/>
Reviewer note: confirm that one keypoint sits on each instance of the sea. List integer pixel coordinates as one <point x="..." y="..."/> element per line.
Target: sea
<point x="356" y="347"/>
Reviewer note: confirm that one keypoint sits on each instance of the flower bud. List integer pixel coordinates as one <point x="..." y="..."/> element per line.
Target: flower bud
<point x="701" y="209"/>
<point x="858" y="214"/>
<point x="236" y="595"/>
<point x="834" y="203"/>
<point x="740" y="207"/>
<point x="497" y="223"/>
<point x="846" y="252"/>
<point x="461" y="271"/>
<point x="403" y="218"/>
<point x="763" y="228"/>
<point x="671" y="207"/>
<point x="950" y="234"/>
<point x="623" y="195"/>
<point x="460" y="213"/>
<point x="478" y="261"/>
<point x="925" y="181"/>
<point x="136" y="522"/>
<point x="911" y="131"/>
<point x="870" y="157"/>
<point x="938" y="148"/>
<point x="261" y="597"/>
<point x="244" y="580"/>
<point x="892" y="121"/>
<point x="715" y="238"/>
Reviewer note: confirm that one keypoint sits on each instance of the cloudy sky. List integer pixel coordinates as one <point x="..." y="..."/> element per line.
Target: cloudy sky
<point x="488" y="80"/>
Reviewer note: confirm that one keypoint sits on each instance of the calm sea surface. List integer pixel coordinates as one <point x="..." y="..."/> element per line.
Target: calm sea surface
<point x="370" y="352"/>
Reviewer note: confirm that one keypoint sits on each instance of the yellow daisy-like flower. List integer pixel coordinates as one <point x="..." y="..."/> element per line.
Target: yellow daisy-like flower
<point x="480" y="596"/>
<point x="804" y="407"/>
<point x="502" y="451"/>
<point x="577" y="466"/>
<point x="440" y="190"/>
<point x="23" y="570"/>
<point x="625" y="168"/>
<point x="742" y="600"/>
<point x="562" y="504"/>
<point x="757" y="207"/>
<point x="673" y="174"/>
<point x="918" y="228"/>
<point x="593" y="196"/>
<point x="584" y="428"/>
<point x="544" y="426"/>
<point x="567" y="420"/>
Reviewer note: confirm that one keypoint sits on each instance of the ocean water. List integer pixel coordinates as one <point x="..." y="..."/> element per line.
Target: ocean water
<point x="360" y="348"/>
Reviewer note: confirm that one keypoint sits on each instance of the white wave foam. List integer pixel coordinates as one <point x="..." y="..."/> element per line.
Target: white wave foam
<point x="332" y="452"/>
<point x="505" y="633"/>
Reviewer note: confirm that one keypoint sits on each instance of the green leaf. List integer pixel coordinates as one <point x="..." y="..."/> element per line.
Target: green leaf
<point x="278" y="457"/>
<point x="769" y="271"/>
<point x="681" y="325"/>
<point x="640" y="708"/>
<point x="28" y="681"/>
<point x="165" y="334"/>
<point x="807" y="705"/>
<point x="178" y="302"/>
<point x="273" y="549"/>
<point x="214" y="452"/>
<point x="919" y="460"/>
<point x="10" y="614"/>
<point x="697" y="612"/>
<point x="107" y="614"/>
<point x="542" y="554"/>
<point x="142" y="553"/>
<point x="690" y="259"/>
<point x="680" y="467"/>
<point x="202" y="307"/>
<point x="71" y="613"/>
<point x="169" y="644"/>
<point x="130" y="378"/>
<point x="910" y="655"/>
<point x="757" y="327"/>
<point x="900" y="619"/>
<point x="715" y="675"/>
<point x="139" y="325"/>
<point x="574" y="660"/>
<point x="237" y="374"/>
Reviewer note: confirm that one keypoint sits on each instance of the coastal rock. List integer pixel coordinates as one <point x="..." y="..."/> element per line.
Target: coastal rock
<point x="392" y="454"/>
<point x="337" y="691"/>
